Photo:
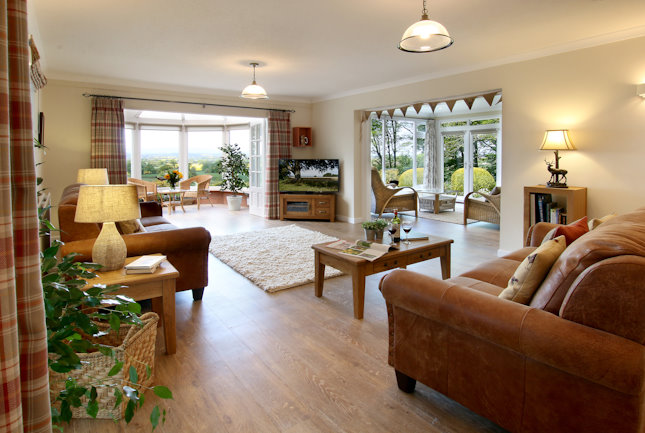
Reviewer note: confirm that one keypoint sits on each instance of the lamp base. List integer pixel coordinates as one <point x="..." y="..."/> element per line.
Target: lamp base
<point x="556" y="185"/>
<point x="109" y="249"/>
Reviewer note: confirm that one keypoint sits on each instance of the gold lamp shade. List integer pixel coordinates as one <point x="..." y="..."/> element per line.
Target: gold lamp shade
<point x="93" y="176"/>
<point x="107" y="204"/>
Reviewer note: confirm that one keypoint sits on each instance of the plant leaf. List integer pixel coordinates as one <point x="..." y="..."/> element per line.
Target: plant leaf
<point x="129" y="411"/>
<point x="162" y="391"/>
<point x="154" y="417"/>
<point x="134" y="377"/>
<point x="92" y="408"/>
<point x="116" y="368"/>
<point x="115" y="322"/>
<point x="119" y="397"/>
<point x="148" y="371"/>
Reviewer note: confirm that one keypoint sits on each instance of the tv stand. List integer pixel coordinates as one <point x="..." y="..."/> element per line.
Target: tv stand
<point x="308" y="206"/>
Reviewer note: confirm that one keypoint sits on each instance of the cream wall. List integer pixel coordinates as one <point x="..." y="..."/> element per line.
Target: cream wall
<point x="591" y="92"/>
<point x="68" y="113"/>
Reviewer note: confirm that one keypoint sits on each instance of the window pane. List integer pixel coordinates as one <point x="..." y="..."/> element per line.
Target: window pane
<point x="376" y="147"/>
<point x="453" y="162"/>
<point x="241" y="137"/>
<point x="484" y="161"/>
<point x="204" y="154"/>
<point x="421" y="160"/>
<point x="159" y="153"/>
<point x="128" y="151"/>
<point x="403" y="151"/>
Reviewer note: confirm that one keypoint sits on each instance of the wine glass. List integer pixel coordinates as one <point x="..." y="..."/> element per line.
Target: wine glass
<point x="391" y="227"/>
<point x="406" y="226"/>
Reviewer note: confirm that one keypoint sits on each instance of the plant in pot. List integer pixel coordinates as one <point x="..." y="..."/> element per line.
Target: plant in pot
<point x="234" y="168"/>
<point x="374" y="229"/>
<point x="96" y="369"/>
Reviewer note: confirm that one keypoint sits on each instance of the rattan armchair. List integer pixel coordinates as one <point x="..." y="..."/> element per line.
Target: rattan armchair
<point x="147" y="191"/>
<point x="202" y="192"/>
<point x="390" y="199"/>
<point x="487" y="209"/>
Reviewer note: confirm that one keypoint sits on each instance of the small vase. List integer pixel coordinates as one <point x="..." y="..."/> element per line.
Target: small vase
<point x="172" y="186"/>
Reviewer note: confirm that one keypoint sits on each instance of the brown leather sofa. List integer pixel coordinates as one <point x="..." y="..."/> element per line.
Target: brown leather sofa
<point x="573" y="360"/>
<point x="186" y="248"/>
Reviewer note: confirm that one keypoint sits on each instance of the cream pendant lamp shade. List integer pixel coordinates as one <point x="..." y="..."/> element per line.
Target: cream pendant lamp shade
<point x="254" y="90"/>
<point x="425" y="36"/>
<point x="107" y="204"/>
<point x="92" y="176"/>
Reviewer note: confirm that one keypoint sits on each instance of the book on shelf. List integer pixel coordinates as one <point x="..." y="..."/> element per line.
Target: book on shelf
<point x="362" y="249"/>
<point x="144" y="264"/>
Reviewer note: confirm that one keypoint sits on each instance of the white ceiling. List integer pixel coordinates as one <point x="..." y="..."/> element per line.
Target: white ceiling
<point x="307" y="49"/>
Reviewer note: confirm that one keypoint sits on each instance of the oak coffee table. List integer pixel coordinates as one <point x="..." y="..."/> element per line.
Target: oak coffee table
<point x="158" y="286"/>
<point x="417" y="251"/>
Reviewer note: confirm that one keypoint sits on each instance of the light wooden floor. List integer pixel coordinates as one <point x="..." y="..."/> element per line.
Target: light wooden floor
<point x="248" y="361"/>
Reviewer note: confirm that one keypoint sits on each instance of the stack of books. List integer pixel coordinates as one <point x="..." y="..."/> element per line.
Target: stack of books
<point x="144" y="265"/>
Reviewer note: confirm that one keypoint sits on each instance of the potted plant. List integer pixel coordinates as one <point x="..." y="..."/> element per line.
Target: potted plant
<point x="234" y="167"/>
<point x="83" y="325"/>
<point x="374" y="229"/>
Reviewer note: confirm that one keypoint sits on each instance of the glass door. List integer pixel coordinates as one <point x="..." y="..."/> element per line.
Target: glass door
<point x="454" y="163"/>
<point x="256" y="168"/>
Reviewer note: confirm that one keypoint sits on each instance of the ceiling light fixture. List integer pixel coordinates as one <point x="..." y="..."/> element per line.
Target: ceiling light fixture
<point x="253" y="90"/>
<point x="425" y="36"/>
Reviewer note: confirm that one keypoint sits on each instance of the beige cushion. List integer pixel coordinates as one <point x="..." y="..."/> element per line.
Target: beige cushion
<point x="531" y="272"/>
<point x="131" y="226"/>
<point x="595" y="222"/>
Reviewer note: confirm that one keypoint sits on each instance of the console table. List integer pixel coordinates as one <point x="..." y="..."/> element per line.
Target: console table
<point x="308" y="206"/>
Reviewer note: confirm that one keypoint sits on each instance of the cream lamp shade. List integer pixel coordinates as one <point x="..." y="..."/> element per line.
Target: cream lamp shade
<point x="93" y="176"/>
<point x="556" y="140"/>
<point x="107" y="204"/>
<point x="254" y="90"/>
<point x="425" y="36"/>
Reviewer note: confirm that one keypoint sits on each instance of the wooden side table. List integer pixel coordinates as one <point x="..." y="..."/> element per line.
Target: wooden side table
<point x="158" y="286"/>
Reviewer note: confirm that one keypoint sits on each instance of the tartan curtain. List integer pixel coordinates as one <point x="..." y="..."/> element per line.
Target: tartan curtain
<point x="23" y="339"/>
<point x="278" y="146"/>
<point x="108" y="138"/>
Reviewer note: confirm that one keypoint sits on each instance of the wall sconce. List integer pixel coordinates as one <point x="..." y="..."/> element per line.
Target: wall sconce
<point x="640" y="90"/>
<point x="557" y="140"/>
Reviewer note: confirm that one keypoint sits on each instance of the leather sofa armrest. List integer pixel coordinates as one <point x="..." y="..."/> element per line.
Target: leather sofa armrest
<point x="537" y="232"/>
<point x="180" y="241"/>
<point x="540" y="336"/>
<point x="150" y="208"/>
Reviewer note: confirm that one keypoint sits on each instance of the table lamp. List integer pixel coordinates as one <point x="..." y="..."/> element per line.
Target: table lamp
<point x="93" y="176"/>
<point x="108" y="204"/>
<point x="556" y="140"/>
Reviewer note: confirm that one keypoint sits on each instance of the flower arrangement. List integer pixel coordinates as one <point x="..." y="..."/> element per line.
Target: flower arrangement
<point x="173" y="177"/>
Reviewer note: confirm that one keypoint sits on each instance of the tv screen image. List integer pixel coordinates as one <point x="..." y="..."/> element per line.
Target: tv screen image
<point x="309" y="175"/>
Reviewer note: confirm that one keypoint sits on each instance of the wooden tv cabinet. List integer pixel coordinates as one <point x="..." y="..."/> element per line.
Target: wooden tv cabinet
<point x="308" y="206"/>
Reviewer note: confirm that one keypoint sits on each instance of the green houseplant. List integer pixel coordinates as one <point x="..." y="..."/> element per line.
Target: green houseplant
<point x="234" y="168"/>
<point x="374" y="229"/>
<point x="73" y="317"/>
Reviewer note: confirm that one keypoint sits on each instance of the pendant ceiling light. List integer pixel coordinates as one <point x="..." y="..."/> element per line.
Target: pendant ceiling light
<point x="425" y="36"/>
<point x="253" y="90"/>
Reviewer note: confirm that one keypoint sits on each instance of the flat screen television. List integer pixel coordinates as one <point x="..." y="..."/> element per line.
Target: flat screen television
<point x="309" y="176"/>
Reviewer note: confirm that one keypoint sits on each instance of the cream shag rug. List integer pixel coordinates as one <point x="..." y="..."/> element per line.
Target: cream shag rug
<point x="273" y="259"/>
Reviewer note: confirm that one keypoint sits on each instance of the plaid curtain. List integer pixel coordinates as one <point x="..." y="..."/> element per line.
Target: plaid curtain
<point x="108" y="138"/>
<point x="24" y="405"/>
<point x="278" y="146"/>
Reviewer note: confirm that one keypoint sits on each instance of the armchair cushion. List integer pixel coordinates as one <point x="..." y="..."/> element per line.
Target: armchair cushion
<point x="531" y="272"/>
<point x="595" y="222"/>
<point x="130" y="226"/>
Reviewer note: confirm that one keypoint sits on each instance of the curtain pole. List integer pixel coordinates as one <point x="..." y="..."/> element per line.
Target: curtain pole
<point x="203" y="104"/>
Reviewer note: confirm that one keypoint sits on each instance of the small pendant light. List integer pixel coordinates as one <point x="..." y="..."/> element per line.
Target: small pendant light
<point x="425" y="36"/>
<point x="253" y="90"/>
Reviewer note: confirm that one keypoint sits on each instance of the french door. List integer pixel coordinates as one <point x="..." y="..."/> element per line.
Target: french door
<point x="256" y="167"/>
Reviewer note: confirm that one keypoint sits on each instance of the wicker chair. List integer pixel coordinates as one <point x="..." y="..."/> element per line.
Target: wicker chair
<point x="202" y="192"/>
<point x="147" y="191"/>
<point x="483" y="210"/>
<point x="391" y="199"/>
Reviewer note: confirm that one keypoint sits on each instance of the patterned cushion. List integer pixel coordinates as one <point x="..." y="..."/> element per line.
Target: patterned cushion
<point x="595" y="222"/>
<point x="131" y="226"/>
<point x="531" y="272"/>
